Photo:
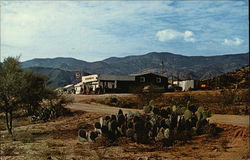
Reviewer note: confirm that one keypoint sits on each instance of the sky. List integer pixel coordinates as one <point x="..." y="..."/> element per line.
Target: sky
<point x="95" y="30"/>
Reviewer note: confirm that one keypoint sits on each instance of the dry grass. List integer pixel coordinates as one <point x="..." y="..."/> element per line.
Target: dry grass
<point x="217" y="101"/>
<point x="58" y="140"/>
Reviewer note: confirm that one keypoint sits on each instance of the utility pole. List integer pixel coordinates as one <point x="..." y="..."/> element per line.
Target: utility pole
<point x="162" y="67"/>
<point x="178" y="79"/>
<point x="172" y="79"/>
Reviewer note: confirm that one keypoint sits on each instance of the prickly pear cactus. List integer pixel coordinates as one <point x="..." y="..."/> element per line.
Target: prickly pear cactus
<point x="198" y="115"/>
<point x="160" y="136"/>
<point x="174" y="108"/>
<point x="160" y="124"/>
<point x="183" y="109"/>
<point x="82" y="133"/>
<point x="187" y="115"/>
<point x="147" y="109"/>
<point x="200" y="109"/>
<point x="130" y="132"/>
<point x="151" y="103"/>
<point x="166" y="133"/>
<point x="98" y="125"/>
<point x="156" y="110"/>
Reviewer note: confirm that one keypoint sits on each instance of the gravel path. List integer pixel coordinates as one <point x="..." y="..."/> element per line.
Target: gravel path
<point x="236" y="120"/>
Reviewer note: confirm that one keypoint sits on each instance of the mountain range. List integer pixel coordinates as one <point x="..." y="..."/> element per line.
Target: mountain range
<point x="169" y="64"/>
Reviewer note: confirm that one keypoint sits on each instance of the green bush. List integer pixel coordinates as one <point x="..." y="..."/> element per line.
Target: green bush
<point x="228" y="97"/>
<point x="54" y="108"/>
<point x="113" y="100"/>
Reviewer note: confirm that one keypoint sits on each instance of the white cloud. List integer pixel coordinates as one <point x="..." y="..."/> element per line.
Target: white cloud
<point x="26" y="24"/>
<point x="169" y="34"/>
<point x="188" y="36"/>
<point x="236" y="41"/>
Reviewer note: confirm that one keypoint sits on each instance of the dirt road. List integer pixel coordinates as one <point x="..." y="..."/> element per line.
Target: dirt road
<point x="99" y="108"/>
<point x="237" y="120"/>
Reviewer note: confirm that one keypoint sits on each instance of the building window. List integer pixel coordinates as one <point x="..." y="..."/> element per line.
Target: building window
<point x="142" y="79"/>
<point x="158" y="80"/>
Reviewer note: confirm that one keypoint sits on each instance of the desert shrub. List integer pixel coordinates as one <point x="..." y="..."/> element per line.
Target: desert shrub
<point x="113" y="100"/>
<point x="228" y="97"/>
<point x="234" y="101"/>
<point x="53" y="108"/>
<point x="120" y="102"/>
<point x="147" y="93"/>
<point x="242" y="97"/>
<point x="183" y="101"/>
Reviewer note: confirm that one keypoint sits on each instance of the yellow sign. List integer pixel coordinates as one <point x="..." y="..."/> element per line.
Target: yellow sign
<point x="89" y="78"/>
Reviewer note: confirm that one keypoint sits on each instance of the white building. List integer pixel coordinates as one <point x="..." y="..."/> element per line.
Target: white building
<point x="185" y="85"/>
<point x="69" y="88"/>
<point x="79" y="88"/>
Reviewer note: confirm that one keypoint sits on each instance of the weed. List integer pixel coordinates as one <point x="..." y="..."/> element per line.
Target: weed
<point x="25" y="137"/>
<point x="113" y="100"/>
<point x="8" y="151"/>
<point x="224" y="144"/>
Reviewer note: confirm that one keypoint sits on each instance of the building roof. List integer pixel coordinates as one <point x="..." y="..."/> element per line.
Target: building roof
<point x="107" y="77"/>
<point x="141" y="74"/>
<point x="68" y="86"/>
<point x="78" y="84"/>
<point x="116" y="77"/>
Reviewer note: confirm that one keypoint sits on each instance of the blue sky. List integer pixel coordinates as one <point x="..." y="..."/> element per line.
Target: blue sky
<point x="95" y="30"/>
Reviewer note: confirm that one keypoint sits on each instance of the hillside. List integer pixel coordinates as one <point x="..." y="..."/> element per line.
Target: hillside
<point x="57" y="77"/>
<point x="186" y="67"/>
<point x="195" y="67"/>
<point x="239" y="78"/>
<point x="68" y="64"/>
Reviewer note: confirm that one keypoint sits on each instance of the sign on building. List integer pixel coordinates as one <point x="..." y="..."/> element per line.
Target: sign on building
<point x="78" y="75"/>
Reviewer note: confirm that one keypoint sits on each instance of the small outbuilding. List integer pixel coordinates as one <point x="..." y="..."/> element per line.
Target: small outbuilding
<point x="186" y="85"/>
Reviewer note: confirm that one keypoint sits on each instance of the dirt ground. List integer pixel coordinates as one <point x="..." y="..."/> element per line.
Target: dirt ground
<point x="58" y="140"/>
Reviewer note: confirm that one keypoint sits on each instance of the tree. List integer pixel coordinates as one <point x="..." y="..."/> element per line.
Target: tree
<point x="35" y="91"/>
<point x="20" y="89"/>
<point x="11" y="86"/>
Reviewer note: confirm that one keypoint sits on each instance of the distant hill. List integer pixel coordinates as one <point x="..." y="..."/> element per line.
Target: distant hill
<point x="238" y="78"/>
<point x="68" y="64"/>
<point x="185" y="67"/>
<point x="58" y="77"/>
<point x="195" y="67"/>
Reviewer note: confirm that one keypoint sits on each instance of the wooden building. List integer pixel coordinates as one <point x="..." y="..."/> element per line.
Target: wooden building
<point x="151" y="79"/>
<point x="104" y="83"/>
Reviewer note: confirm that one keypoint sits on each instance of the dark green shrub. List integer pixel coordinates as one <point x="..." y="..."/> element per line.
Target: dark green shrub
<point x="113" y="100"/>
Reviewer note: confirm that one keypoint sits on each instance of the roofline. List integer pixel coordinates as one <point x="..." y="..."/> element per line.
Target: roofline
<point x="140" y="74"/>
